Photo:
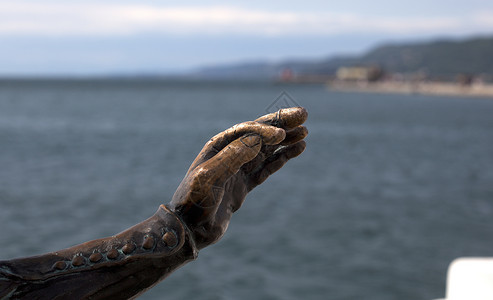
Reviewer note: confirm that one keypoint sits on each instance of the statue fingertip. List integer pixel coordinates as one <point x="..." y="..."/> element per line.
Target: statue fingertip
<point x="302" y="114"/>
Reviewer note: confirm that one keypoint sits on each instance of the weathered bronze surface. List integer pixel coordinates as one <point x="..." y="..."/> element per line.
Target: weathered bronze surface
<point x="125" y="265"/>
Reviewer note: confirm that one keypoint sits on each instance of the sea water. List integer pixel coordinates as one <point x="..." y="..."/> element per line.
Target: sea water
<point x="390" y="189"/>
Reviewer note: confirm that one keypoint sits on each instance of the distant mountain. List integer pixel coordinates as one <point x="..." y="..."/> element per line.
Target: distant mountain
<point x="438" y="59"/>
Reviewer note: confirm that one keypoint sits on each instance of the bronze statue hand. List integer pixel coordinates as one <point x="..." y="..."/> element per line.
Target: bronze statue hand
<point x="230" y="165"/>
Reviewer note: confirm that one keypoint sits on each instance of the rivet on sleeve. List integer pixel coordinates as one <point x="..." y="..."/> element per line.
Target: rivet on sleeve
<point x="112" y="254"/>
<point x="128" y="248"/>
<point x="148" y="243"/>
<point x="170" y="239"/>
<point x="95" y="257"/>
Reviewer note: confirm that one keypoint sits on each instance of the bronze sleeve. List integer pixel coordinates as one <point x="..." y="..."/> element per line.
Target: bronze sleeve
<point x="118" y="267"/>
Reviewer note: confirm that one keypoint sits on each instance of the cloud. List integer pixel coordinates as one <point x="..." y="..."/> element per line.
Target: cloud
<point x="69" y="19"/>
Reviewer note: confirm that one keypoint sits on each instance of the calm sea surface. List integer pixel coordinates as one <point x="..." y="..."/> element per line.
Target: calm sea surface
<point x="390" y="189"/>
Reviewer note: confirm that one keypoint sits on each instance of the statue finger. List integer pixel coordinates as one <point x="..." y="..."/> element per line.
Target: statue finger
<point x="286" y="118"/>
<point x="292" y="136"/>
<point x="274" y="163"/>
<point x="229" y="160"/>
<point x="295" y="135"/>
<point x="269" y="134"/>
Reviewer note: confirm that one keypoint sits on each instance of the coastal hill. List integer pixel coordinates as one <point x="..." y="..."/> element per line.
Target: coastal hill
<point x="439" y="59"/>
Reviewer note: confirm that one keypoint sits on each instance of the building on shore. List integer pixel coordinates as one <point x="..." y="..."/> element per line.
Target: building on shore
<point x="373" y="79"/>
<point x="360" y="73"/>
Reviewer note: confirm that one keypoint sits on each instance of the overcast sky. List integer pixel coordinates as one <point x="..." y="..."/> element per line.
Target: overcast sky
<point x="128" y="36"/>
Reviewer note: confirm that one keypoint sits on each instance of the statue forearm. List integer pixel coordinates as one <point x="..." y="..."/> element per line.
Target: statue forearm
<point x="118" y="267"/>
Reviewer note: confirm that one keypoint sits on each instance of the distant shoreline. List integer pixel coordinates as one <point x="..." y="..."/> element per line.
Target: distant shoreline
<point x="481" y="90"/>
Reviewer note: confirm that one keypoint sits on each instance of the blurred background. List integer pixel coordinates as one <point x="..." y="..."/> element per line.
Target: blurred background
<point x="103" y="106"/>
